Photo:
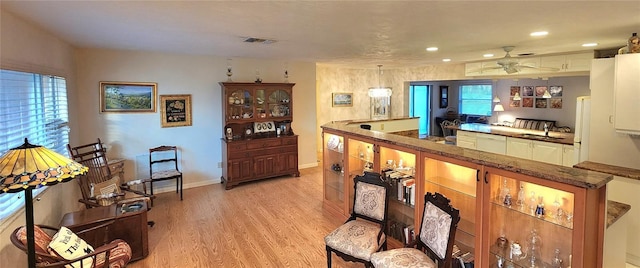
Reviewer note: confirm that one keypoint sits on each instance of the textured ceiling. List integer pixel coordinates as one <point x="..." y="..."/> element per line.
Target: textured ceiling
<point x="358" y="34"/>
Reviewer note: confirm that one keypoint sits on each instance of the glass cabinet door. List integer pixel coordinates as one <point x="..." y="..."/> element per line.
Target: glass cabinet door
<point x="398" y="169"/>
<point x="333" y="166"/>
<point x="459" y="184"/>
<point x="240" y="105"/>
<point x="261" y="104"/>
<point x="530" y="225"/>
<point x="279" y="104"/>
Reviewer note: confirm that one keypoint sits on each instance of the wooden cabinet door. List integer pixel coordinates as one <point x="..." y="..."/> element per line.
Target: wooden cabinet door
<point x="240" y="169"/>
<point x="264" y="166"/>
<point x="287" y="162"/>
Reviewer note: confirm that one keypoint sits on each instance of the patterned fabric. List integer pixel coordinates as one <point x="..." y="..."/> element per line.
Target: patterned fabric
<point x="356" y="238"/>
<point x="370" y="200"/>
<point x="532" y="124"/>
<point x="42" y="240"/>
<point x="165" y="174"/>
<point x="402" y="258"/>
<point x="436" y="225"/>
<point x="69" y="246"/>
<point x="118" y="258"/>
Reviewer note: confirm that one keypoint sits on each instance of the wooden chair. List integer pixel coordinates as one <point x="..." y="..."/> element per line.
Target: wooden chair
<point x="116" y="253"/>
<point x="436" y="236"/>
<point x="99" y="187"/>
<point x="449" y="133"/>
<point x="368" y="219"/>
<point x="163" y="165"/>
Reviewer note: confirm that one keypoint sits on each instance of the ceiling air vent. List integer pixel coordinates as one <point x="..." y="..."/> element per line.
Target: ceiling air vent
<point x="259" y="40"/>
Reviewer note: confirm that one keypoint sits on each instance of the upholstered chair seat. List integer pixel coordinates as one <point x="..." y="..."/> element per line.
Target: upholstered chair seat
<point x="402" y="258"/>
<point x="356" y="238"/>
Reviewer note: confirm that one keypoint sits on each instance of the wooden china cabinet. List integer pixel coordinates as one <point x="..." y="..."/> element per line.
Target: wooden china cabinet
<point x="258" y="141"/>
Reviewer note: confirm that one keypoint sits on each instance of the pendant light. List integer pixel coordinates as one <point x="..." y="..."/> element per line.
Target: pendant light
<point x="495" y="97"/>
<point x="376" y="92"/>
<point x="517" y="95"/>
<point x="546" y="94"/>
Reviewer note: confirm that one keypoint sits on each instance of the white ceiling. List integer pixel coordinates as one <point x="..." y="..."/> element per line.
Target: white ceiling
<point x="360" y="34"/>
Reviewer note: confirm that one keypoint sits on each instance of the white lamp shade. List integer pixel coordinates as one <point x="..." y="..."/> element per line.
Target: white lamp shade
<point x="498" y="108"/>
<point x="517" y="96"/>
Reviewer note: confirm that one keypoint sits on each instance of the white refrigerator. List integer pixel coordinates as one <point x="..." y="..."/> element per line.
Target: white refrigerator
<point x="581" y="136"/>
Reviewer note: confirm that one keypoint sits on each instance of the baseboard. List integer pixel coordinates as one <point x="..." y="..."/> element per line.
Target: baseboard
<point x="633" y="259"/>
<point x="310" y="165"/>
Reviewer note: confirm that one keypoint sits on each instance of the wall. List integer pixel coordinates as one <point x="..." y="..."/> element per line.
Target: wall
<point x="358" y="81"/>
<point x="130" y="135"/>
<point x="28" y="48"/>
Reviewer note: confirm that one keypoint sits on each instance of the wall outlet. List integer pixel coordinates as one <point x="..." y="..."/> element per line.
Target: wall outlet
<point x="219" y="164"/>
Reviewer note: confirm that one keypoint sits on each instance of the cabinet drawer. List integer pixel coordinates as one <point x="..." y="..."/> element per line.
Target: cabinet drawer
<point x="289" y="141"/>
<point x="263" y="144"/>
<point x="241" y="154"/>
<point x="287" y="149"/>
<point x="237" y="146"/>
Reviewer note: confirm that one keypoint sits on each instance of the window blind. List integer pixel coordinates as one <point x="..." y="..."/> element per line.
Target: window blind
<point x="475" y="99"/>
<point x="32" y="106"/>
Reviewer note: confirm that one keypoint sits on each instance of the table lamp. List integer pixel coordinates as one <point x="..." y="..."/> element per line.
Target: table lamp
<point x="28" y="167"/>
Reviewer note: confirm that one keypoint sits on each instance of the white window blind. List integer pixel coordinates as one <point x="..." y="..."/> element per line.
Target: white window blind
<point x="475" y="99"/>
<point x="32" y="106"/>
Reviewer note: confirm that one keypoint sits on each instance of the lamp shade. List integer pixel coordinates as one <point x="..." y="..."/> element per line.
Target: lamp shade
<point x="546" y="94"/>
<point x="33" y="166"/>
<point x="517" y="96"/>
<point x="29" y="166"/>
<point x="498" y="108"/>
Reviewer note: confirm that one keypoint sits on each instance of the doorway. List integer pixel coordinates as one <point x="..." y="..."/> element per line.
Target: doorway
<point x="420" y="106"/>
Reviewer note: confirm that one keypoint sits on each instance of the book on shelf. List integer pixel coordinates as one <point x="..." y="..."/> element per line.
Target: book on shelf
<point x="408" y="234"/>
<point x="462" y="259"/>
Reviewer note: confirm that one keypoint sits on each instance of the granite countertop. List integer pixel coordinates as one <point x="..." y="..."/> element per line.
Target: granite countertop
<point x="359" y="121"/>
<point x="567" y="175"/>
<point x="610" y="169"/>
<point x="556" y="137"/>
<point x="615" y="211"/>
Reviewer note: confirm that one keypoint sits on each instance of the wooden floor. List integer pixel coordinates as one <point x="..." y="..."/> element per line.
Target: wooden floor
<point x="271" y="223"/>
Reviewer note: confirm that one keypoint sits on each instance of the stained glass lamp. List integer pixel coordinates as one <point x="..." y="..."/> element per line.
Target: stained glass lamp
<point x="29" y="167"/>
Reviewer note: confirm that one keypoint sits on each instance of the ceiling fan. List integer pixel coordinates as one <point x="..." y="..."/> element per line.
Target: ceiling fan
<point x="512" y="65"/>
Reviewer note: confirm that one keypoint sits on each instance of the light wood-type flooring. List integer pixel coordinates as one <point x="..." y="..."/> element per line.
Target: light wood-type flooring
<point x="270" y="223"/>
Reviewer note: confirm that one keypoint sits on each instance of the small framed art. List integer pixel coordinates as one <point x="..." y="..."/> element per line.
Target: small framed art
<point x="175" y="110"/>
<point x="342" y="99"/>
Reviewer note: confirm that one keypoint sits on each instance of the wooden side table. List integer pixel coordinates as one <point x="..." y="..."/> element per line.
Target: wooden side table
<point x="129" y="226"/>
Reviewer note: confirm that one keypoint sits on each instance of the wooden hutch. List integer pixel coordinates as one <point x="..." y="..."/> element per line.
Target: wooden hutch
<point x="258" y="141"/>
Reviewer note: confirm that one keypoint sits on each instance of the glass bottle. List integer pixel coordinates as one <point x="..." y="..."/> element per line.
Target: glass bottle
<point x="532" y="203"/>
<point x="534" y="244"/>
<point x="557" y="261"/>
<point x="633" y="45"/>
<point x="557" y="209"/>
<point x="521" y="196"/>
<point x="540" y="208"/>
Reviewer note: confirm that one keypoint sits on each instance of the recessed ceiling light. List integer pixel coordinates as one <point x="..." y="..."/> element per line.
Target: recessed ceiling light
<point x="488" y="55"/>
<point x="590" y="44"/>
<point x="541" y="33"/>
<point x="432" y="49"/>
<point x="446" y="60"/>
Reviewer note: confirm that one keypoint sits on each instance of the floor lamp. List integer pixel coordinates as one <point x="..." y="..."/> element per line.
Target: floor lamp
<point x="28" y="167"/>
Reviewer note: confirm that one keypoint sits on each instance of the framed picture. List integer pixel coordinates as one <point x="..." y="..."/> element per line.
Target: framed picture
<point x="541" y="103"/>
<point x="175" y="110"/>
<point x="527" y="102"/>
<point x="556" y="103"/>
<point x="128" y="97"/>
<point x="342" y="99"/>
<point x="514" y="90"/>
<point x="444" y="96"/>
<point x="527" y="91"/>
<point x="555" y="91"/>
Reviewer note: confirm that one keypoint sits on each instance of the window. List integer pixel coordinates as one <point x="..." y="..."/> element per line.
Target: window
<point x="419" y="106"/>
<point x="32" y="106"/>
<point x="476" y="99"/>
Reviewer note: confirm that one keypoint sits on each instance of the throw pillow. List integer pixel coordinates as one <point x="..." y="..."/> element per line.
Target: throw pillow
<point x="105" y="188"/>
<point x="69" y="246"/>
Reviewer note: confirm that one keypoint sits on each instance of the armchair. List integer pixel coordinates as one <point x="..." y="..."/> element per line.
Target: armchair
<point x="115" y="254"/>
<point x="436" y="236"/>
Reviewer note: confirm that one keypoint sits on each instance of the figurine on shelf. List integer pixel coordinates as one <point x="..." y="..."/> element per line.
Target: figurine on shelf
<point x="521" y="196"/>
<point x="507" y="198"/>
<point x="540" y="209"/>
<point x="516" y="252"/>
<point x="557" y="261"/>
<point x="559" y="213"/>
<point x="532" y="203"/>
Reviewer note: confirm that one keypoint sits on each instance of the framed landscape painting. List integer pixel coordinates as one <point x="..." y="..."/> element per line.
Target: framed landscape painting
<point x="342" y="99"/>
<point x="128" y="97"/>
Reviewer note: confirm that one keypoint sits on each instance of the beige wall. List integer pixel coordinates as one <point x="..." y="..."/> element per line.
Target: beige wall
<point x="28" y="48"/>
<point x="130" y="136"/>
